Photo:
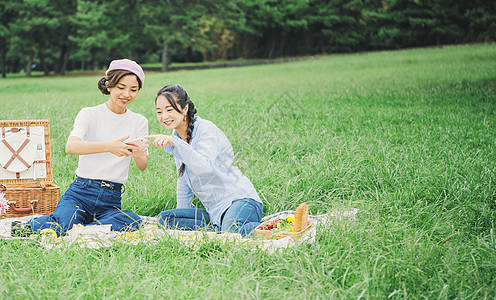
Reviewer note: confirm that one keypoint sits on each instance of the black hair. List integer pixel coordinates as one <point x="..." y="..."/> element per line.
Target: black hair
<point x="176" y="95"/>
<point x="112" y="79"/>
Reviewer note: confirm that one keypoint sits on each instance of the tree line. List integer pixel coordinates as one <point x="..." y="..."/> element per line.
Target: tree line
<point x="62" y="35"/>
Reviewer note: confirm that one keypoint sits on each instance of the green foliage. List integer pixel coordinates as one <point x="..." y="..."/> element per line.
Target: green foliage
<point x="59" y="35"/>
<point x="270" y="25"/>
<point x="343" y="26"/>
<point x="106" y="30"/>
<point x="180" y="22"/>
<point x="481" y="19"/>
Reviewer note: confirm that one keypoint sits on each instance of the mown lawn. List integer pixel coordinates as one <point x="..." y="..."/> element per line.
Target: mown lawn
<point x="407" y="137"/>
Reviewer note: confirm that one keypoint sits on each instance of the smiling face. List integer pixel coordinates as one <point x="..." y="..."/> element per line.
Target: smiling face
<point x="169" y="117"/>
<point x="122" y="94"/>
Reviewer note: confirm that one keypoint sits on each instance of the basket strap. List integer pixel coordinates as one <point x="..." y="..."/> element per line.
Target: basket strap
<point x="16" y="153"/>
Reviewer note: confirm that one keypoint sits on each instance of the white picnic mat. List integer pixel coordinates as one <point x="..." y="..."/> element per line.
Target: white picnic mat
<point x="98" y="236"/>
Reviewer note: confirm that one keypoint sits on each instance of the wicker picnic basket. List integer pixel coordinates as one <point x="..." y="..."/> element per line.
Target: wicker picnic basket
<point x="302" y="225"/>
<point x="26" y="177"/>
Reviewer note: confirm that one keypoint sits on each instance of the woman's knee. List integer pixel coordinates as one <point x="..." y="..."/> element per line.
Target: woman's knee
<point x="120" y="220"/>
<point x="166" y="218"/>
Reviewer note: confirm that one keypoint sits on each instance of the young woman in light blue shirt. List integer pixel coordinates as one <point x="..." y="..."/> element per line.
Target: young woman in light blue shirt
<point x="204" y="158"/>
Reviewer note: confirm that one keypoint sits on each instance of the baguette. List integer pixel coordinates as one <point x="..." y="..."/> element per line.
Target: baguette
<point x="301" y="217"/>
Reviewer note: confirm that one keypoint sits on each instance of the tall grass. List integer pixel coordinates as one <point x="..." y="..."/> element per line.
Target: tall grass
<point x="408" y="137"/>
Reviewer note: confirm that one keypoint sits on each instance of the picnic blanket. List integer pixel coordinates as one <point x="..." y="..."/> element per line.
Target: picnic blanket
<point x="98" y="236"/>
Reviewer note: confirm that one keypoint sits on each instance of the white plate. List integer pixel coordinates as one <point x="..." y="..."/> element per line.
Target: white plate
<point x="28" y="153"/>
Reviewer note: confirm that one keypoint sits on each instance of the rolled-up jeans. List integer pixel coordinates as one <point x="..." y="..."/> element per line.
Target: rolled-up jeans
<point x="242" y="217"/>
<point x="88" y="202"/>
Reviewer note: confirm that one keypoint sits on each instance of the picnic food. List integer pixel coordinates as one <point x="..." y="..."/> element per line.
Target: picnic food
<point x="48" y="235"/>
<point x="293" y="225"/>
<point x="301" y="217"/>
<point x="278" y="225"/>
<point x="48" y="231"/>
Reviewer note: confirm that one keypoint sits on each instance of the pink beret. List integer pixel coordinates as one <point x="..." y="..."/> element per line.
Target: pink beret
<point x="127" y="65"/>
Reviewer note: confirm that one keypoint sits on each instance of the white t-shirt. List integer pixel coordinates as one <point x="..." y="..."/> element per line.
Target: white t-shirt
<point x="100" y="124"/>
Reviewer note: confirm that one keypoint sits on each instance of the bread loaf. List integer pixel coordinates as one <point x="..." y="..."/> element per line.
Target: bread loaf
<point x="301" y="217"/>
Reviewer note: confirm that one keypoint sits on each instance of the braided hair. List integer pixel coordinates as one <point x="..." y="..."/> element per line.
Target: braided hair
<point x="176" y="95"/>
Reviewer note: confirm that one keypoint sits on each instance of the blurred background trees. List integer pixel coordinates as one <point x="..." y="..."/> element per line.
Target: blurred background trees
<point x="56" y="36"/>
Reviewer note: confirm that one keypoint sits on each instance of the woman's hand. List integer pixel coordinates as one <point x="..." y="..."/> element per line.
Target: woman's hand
<point x="142" y="144"/>
<point x="120" y="148"/>
<point x="161" y="140"/>
<point x="117" y="147"/>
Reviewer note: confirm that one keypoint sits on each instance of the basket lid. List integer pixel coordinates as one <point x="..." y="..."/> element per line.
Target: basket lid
<point x="25" y="151"/>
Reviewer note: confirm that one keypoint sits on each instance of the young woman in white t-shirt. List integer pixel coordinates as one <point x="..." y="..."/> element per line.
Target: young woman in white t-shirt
<point x="105" y="137"/>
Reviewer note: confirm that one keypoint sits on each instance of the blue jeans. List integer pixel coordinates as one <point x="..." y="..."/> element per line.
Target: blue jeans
<point x="242" y="216"/>
<point x="88" y="202"/>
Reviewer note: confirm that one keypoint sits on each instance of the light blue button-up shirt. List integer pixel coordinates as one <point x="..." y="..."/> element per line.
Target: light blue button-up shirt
<point x="209" y="173"/>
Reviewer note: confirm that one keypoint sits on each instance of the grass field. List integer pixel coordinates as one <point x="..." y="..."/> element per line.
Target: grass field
<point x="408" y="137"/>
